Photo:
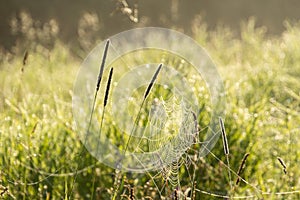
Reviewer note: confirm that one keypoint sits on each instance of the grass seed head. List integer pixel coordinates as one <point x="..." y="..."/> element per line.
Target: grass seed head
<point x="108" y="86"/>
<point x="224" y="137"/>
<point x="102" y="65"/>
<point x="152" y="81"/>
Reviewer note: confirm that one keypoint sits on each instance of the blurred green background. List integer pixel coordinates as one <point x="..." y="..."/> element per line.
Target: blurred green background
<point x="68" y="16"/>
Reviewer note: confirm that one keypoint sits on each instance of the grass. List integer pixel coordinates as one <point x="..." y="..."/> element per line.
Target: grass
<point x="39" y="143"/>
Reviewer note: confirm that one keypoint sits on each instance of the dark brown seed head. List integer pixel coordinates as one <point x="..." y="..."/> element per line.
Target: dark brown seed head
<point x="282" y="164"/>
<point x="34" y="128"/>
<point x="152" y="81"/>
<point x="5" y="189"/>
<point x="175" y="195"/>
<point x="241" y="168"/>
<point x="132" y="197"/>
<point x="102" y="65"/>
<point x="25" y="58"/>
<point x="108" y="86"/>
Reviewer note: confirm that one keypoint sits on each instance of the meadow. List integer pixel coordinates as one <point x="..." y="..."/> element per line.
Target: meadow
<point x="40" y="147"/>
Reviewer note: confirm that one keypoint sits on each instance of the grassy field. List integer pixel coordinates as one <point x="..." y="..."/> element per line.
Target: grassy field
<point x="40" y="146"/>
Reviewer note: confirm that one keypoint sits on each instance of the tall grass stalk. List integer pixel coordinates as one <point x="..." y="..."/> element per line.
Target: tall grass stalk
<point x="196" y="132"/>
<point x="92" y="112"/>
<point x="226" y="149"/>
<point x="101" y="123"/>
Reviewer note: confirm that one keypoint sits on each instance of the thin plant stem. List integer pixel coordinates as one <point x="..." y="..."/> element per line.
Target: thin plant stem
<point x="226" y="149"/>
<point x="101" y="124"/>
<point x="92" y="112"/>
